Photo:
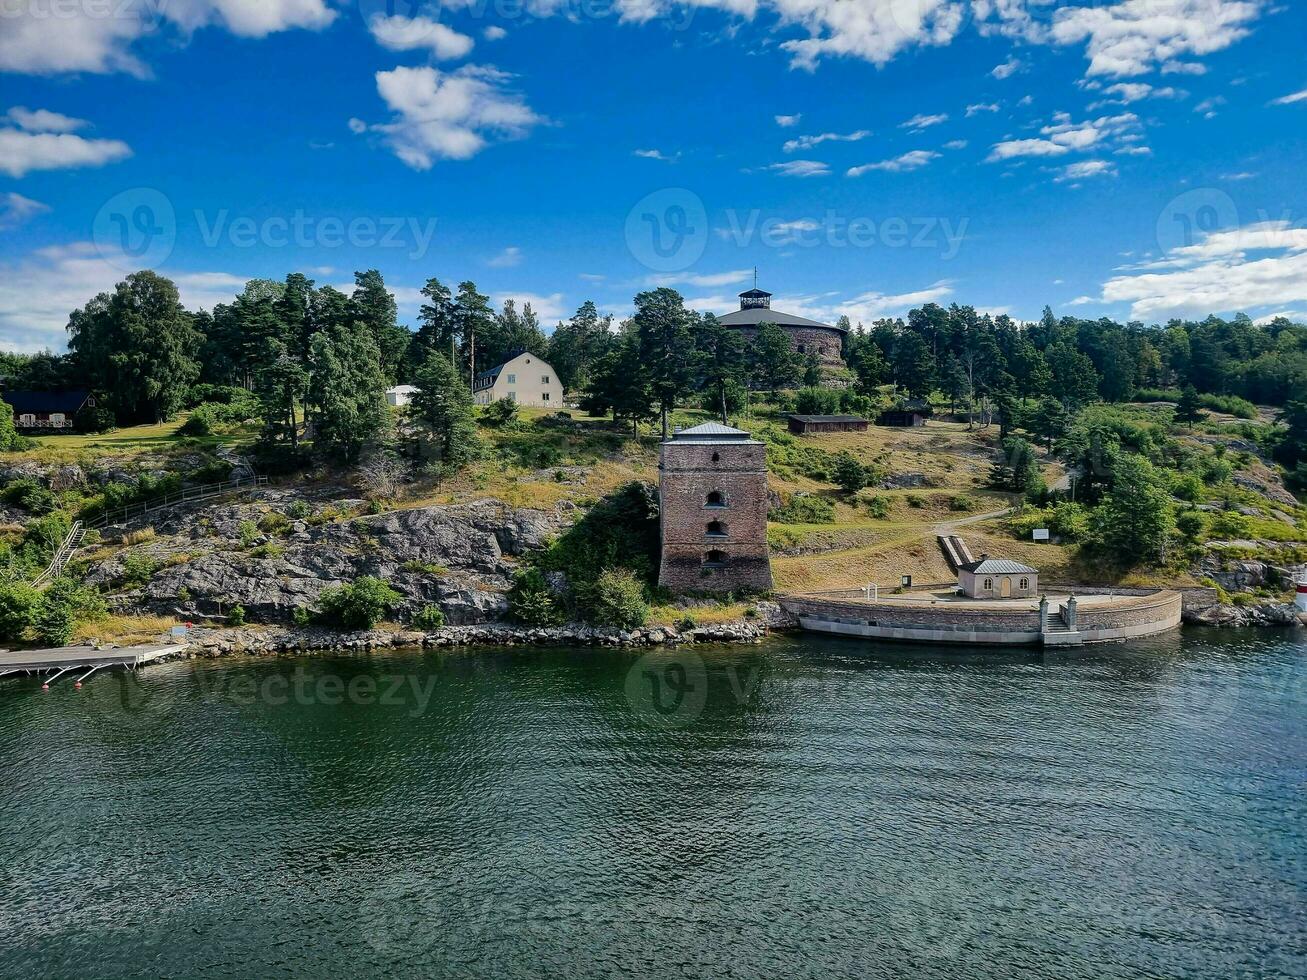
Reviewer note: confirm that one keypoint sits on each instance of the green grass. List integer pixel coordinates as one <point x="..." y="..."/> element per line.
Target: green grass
<point x="133" y="439"/>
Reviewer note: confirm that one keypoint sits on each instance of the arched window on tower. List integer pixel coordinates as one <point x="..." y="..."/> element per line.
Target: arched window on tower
<point x="714" y="559"/>
<point x="715" y="499"/>
<point x="716" y="529"/>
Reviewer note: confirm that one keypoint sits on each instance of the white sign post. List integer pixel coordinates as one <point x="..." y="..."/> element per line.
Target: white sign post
<point x="1041" y="534"/>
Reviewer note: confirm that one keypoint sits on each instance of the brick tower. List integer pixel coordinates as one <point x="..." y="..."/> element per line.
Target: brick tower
<point x="712" y="493"/>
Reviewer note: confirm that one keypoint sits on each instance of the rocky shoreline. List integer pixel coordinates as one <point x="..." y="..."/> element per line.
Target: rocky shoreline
<point x="205" y="642"/>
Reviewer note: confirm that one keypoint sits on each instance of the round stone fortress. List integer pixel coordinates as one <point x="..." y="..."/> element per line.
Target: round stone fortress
<point x="807" y="336"/>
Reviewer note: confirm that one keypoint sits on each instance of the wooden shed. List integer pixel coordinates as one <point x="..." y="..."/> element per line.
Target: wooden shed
<point x="902" y="418"/>
<point x="812" y="424"/>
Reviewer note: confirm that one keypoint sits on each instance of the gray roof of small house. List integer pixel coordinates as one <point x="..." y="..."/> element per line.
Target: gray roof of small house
<point x="755" y="315"/>
<point x="997" y="566"/>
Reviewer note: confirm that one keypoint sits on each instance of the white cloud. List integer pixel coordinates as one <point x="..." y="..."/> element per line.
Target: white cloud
<point x="1261" y="266"/>
<point x="869" y="306"/>
<point x="808" y="142"/>
<point x="449" y="115"/>
<point x="1063" y="136"/>
<point x="494" y="33"/>
<point x="801" y="168"/>
<point x="1184" y="68"/>
<point x="400" y="33"/>
<point x="652" y="154"/>
<point x="956" y="145"/>
<point x="1008" y="68"/>
<point x="1128" y="92"/>
<point x="980" y="107"/>
<point x="546" y="308"/>
<point x="43" y="120"/>
<point x="1207" y="108"/>
<point x="1241" y="175"/>
<point x="786" y="121"/>
<point x="357" y="125"/>
<point x="1291" y="99"/>
<point x="39" y="291"/>
<point x="923" y="121"/>
<point x="912" y="160"/>
<point x="1086" y="168"/>
<point x="17" y="210"/>
<point x="506" y="259"/>
<point x="873" y="30"/>
<point x="54" y="38"/>
<point x="1135" y="36"/>
<point x="22" y="150"/>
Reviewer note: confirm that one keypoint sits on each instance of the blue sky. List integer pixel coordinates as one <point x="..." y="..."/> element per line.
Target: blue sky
<point x="1132" y="158"/>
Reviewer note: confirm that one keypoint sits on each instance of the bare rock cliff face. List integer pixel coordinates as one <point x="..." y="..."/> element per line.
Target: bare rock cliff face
<point x="459" y="557"/>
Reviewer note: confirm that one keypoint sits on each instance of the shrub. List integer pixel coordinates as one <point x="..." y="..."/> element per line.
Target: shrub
<point x="686" y="623"/>
<point x="94" y="420"/>
<point x="1070" y="521"/>
<point x="299" y="510"/>
<point x="424" y="567"/>
<point x="1229" y="524"/>
<point x="31" y="496"/>
<point x="817" y="401"/>
<point x="274" y="523"/>
<point x="300" y="616"/>
<point x="915" y="501"/>
<point x="138" y="569"/>
<point x="620" y="530"/>
<point x="429" y="617"/>
<point x="200" y="423"/>
<point x="617" y="599"/>
<point x="879" y="507"/>
<point x="1191" y="524"/>
<point x="850" y="475"/>
<point x="249" y="533"/>
<point x="499" y="413"/>
<point x="268" y="550"/>
<point x="236" y="615"/>
<point x="531" y="602"/>
<point x="961" y="502"/>
<point x="358" y="606"/>
<point x="1188" y="487"/>
<point x="19" y="604"/>
<point x="804" y="508"/>
<point x="213" y="471"/>
<point x="64" y="603"/>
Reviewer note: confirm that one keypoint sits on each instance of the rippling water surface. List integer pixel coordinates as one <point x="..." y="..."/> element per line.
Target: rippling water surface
<point x="806" y="808"/>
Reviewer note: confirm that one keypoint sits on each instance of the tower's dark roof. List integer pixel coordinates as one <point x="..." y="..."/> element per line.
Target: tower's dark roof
<point x="755" y="293"/>
<point x="756" y="315"/>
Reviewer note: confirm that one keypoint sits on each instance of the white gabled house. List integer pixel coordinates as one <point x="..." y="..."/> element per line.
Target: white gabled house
<point x="524" y="378"/>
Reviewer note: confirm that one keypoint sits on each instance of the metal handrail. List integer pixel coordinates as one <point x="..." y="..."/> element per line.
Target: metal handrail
<point x="62" y="555"/>
<point x="182" y="496"/>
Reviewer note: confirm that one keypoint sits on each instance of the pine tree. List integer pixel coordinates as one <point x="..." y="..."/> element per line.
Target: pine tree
<point x="1187" y="411"/>
<point x="346" y="389"/>
<point x="663" y="326"/>
<point x="1135" y="521"/>
<point x="442" y="406"/>
<point x="723" y="359"/>
<point x="773" y="362"/>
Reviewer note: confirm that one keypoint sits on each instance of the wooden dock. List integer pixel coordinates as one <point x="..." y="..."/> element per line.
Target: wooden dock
<point x="65" y="660"/>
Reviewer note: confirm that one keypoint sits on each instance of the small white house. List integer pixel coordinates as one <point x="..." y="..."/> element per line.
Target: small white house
<point x="400" y="395"/>
<point x="523" y="378"/>
<point x="998" y="578"/>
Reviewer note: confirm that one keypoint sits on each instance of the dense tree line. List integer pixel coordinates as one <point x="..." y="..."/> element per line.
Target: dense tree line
<point x="317" y="360"/>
